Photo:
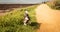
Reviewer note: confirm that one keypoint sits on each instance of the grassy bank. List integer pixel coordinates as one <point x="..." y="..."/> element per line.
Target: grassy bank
<point x="13" y="21"/>
<point x="55" y="4"/>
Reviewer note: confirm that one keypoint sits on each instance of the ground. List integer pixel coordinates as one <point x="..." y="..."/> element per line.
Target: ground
<point x="48" y="18"/>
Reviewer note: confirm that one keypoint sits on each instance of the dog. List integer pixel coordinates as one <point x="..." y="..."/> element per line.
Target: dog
<point x="26" y="18"/>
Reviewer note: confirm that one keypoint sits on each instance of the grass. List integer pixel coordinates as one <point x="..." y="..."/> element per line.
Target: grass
<point x="13" y="21"/>
<point x="55" y="5"/>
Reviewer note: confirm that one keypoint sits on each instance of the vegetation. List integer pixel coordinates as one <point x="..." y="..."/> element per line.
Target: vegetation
<point x="55" y="4"/>
<point x="13" y="21"/>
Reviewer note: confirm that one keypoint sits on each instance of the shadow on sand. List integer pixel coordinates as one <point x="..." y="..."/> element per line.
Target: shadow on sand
<point x="35" y="25"/>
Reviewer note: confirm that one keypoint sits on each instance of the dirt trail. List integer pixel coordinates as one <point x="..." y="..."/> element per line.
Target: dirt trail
<point x="49" y="19"/>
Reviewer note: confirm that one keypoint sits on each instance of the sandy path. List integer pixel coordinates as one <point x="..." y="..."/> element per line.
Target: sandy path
<point x="49" y="19"/>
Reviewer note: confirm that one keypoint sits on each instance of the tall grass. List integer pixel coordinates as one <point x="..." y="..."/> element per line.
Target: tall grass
<point x="55" y="4"/>
<point x="13" y="21"/>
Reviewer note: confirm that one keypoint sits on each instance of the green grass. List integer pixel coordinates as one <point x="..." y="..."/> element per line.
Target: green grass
<point x="13" y="21"/>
